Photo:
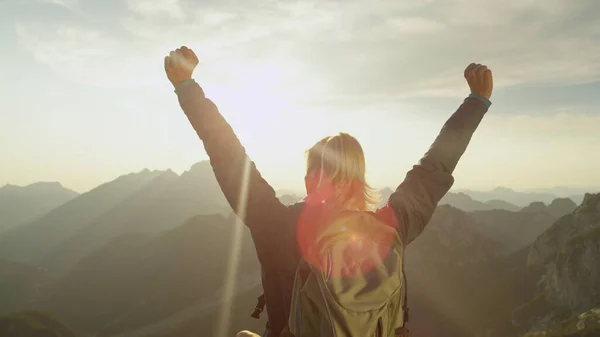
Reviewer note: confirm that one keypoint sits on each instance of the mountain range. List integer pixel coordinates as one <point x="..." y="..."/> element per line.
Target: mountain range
<point x="145" y="202"/>
<point x="524" y="198"/>
<point x="497" y="198"/>
<point x="148" y="253"/>
<point x="22" y="205"/>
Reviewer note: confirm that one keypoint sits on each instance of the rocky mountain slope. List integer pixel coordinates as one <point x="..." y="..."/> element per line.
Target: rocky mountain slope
<point x="567" y="254"/>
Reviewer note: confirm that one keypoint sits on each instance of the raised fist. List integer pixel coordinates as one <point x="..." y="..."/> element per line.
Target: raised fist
<point x="480" y="80"/>
<point x="180" y="64"/>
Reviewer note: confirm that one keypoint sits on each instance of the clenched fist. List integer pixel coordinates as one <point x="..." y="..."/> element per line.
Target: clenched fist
<point x="480" y="80"/>
<point x="180" y="64"/>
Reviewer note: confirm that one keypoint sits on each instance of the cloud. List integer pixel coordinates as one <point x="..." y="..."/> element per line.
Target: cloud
<point x="83" y="55"/>
<point x="68" y="4"/>
<point x="565" y="122"/>
<point x="156" y="8"/>
<point x="524" y="43"/>
<point x="340" y="50"/>
<point x="71" y="5"/>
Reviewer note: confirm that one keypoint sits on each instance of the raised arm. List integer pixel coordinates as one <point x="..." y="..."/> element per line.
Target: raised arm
<point x="417" y="197"/>
<point x="250" y="196"/>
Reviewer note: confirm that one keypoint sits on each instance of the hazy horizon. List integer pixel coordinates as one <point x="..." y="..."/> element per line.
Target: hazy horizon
<point x="85" y="98"/>
<point x="298" y="189"/>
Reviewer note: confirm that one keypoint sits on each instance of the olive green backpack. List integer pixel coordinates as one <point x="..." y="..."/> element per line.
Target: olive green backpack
<point x="349" y="282"/>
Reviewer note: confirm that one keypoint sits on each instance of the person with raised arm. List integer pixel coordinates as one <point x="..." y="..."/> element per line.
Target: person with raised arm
<point x="335" y="180"/>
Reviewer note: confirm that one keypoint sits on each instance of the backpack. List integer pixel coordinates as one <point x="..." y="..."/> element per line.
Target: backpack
<point x="349" y="281"/>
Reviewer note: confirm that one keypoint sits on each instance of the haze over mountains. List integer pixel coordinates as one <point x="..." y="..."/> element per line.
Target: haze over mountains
<point x="146" y="202"/>
<point x="148" y="253"/>
<point x="523" y="198"/>
<point x="21" y="205"/>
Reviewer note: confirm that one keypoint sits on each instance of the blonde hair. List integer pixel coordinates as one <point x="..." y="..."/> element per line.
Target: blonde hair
<point x="341" y="159"/>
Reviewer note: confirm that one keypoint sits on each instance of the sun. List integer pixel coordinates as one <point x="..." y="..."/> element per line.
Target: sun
<point x="264" y="101"/>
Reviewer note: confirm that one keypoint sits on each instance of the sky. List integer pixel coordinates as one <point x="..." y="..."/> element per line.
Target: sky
<point x="84" y="97"/>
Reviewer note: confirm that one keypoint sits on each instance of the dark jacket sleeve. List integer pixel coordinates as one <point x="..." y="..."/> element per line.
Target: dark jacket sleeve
<point x="416" y="198"/>
<point x="250" y="196"/>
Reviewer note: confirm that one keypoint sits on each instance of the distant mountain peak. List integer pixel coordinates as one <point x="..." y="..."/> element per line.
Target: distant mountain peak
<point x="20" y="205"/>
<point x="501" y="189"/>
<point x="38" y="187"/>
<point x="143" y="174"/>
<point x="10" y="187"/>
<point x="536" y="206"/>
<point x="590" y="204"/>
<point x="54" y="184"/>
<point x="46" y="183"/>
<point x="169" y="174"/>
<point x="386" y="190"/>
<point x="201" y="165"/>
<point x="563" y="201"/>
<point x="200" y="171"/>
<point x="147" y="171"/>
<point x="562" y="206"/>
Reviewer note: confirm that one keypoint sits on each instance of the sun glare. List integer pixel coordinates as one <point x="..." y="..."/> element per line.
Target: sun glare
<point x="264" y="102"/>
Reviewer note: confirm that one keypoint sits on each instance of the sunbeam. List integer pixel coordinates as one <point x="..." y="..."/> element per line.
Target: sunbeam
<point x="234" y="255"/>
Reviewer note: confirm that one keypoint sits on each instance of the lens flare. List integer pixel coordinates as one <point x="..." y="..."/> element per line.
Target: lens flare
<point x="343" y="244"/>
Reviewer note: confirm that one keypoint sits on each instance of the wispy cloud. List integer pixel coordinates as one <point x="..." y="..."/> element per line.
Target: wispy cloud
<point x="154" y="8"/>
<point x="384" y="50"/>
<point x="563" y="122"/>
<point x="68" y="4"/>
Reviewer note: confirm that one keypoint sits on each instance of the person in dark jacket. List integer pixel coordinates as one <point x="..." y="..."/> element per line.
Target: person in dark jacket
<point x="335" y="173"/>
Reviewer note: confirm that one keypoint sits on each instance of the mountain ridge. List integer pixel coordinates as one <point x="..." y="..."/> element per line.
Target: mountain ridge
<point x="20" y="205"/>
<point x="30" y="242"/>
